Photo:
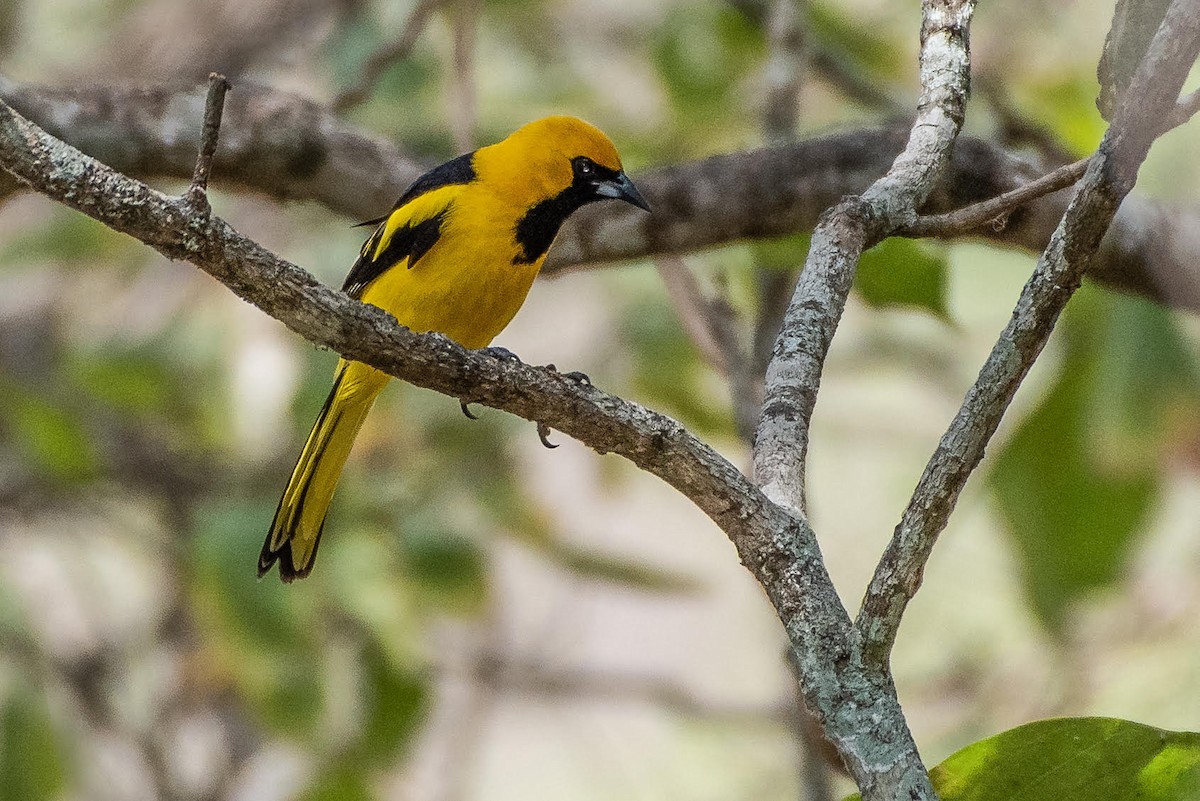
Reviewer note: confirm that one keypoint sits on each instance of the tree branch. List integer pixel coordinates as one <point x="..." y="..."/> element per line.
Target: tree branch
<point x="1110" y="176"/>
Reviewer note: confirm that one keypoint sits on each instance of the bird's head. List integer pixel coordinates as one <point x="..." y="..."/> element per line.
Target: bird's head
<point x="559" y="159"/>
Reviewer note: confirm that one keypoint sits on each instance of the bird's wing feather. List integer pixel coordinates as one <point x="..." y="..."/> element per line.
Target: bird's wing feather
<point x="406" y="234"/>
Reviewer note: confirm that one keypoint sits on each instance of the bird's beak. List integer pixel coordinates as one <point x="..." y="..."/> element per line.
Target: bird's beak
<point x="622" y="188"/>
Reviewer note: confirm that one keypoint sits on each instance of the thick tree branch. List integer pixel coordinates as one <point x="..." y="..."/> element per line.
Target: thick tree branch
<point x="1110" y="176"/>
<point x="858" y="708"/>
<point x="290" y="147"/>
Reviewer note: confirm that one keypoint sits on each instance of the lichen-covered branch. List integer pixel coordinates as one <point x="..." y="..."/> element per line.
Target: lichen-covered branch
<point x="1110" y="176"/>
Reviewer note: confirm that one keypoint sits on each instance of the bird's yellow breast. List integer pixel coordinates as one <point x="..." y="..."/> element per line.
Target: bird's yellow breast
<point x="471" y="283"/>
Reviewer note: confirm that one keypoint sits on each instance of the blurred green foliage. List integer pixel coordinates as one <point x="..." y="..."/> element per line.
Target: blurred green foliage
<point x="1078" y="477"/>
<point x="340" y="666"/>
<point x="33" y="764"/>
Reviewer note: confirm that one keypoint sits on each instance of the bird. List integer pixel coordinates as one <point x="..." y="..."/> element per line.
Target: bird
<point x="456" y="255"/>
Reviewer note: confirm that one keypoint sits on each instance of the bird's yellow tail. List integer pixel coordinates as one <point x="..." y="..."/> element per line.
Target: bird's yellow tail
<point x="296" y="529"/>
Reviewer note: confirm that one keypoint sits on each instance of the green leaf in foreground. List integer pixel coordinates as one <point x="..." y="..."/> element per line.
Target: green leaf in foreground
<point x="1081" y="759"/>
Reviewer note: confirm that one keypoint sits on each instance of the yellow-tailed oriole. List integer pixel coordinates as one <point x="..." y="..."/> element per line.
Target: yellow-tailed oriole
<point x="457" y="254"/>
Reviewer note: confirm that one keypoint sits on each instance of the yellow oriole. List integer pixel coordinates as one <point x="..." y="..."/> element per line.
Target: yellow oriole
<point x="456" y="254"/>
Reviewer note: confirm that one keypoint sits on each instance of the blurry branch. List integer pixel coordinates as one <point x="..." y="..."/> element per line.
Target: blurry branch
<point x="464" y="27"/>
<point x="292" y="148"/>
<point x="533" y="678"/>
<point x="1111" y="174"/>
<point x="272" y="142"/>
<point x="1016" y="127"/>
<point x="784" y="71"/>
<point x="693" y="309"/>
<point x="859" y="710"/>
<point x="385" y="57"/>
<point x="853" y="82"/>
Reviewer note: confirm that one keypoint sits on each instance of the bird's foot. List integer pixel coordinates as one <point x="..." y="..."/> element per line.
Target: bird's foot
<point x="503" y="354"/>
<point x="579" y="378"/>
<point x="543" y="432"/>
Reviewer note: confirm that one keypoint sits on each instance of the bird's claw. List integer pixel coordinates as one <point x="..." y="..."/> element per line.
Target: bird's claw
<point x="543" y="432"/>
<point x="504" y="354"/>
<point x="462" y="404"/>
<point x="575" y="375"/>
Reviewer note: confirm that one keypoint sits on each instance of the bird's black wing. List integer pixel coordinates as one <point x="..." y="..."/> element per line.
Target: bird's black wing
<point x="411" y="240"/>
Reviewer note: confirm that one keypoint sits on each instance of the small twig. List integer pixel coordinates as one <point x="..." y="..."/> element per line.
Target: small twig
<point x="1184" y="110"/>
<point x="386" y="56"/>
<point x="994" y="210"/>
<point x="214" y="105"/>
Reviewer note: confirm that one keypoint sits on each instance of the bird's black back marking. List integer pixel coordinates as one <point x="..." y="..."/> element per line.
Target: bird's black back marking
<point x="459" y="170"/>
<point x="408" y="241"/>
<point x="537" y="227"/>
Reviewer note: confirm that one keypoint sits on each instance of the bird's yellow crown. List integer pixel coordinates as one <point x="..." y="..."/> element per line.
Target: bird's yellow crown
<point x="534" y="161"/>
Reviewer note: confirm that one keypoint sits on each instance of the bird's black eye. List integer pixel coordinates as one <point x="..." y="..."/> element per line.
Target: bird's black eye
<point x="583" y="166"/>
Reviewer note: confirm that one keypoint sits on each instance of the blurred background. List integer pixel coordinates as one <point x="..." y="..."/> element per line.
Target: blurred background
<point x="491" y="619"/>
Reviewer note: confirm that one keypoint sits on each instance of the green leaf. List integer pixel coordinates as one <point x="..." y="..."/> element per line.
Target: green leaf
<point x="50" y="435"/>
<point x="343" y="782"/>
<point x="1081" y="759"/>
<point x="445" y="564"/>
<point x="1072" y="521"/>
<point x="1079" y="476"/>
<point x="396" y="700"/>
<point x="32" y="761"/>
<point x="902" y="272"/>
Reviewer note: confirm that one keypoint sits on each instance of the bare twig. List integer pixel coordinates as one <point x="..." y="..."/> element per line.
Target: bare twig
<point x="385" y="57"/>
<point x="214" y="105"/>
<point x="994" y="212"/>
<point x="1110" y="175"/>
